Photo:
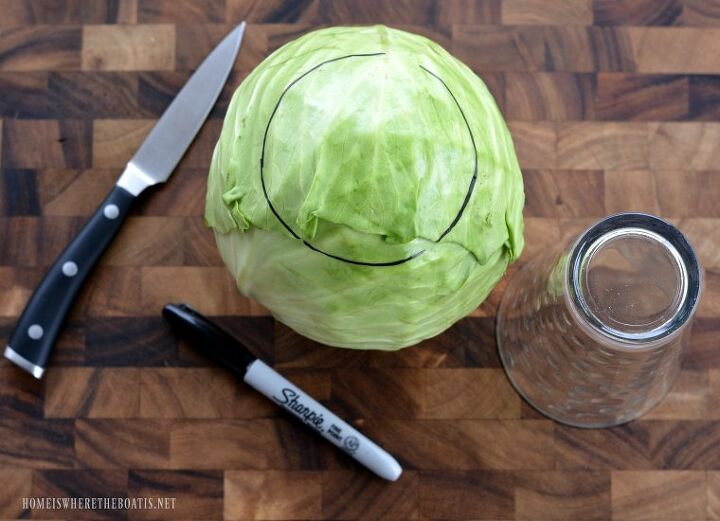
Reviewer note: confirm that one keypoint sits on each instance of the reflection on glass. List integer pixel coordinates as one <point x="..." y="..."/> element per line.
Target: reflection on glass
<point x="592" y="332"/>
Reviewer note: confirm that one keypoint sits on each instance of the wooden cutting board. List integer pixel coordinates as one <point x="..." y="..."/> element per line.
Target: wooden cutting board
<point x="613" y="105"/>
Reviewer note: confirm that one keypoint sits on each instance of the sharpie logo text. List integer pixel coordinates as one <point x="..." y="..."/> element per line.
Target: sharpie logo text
<point x="291" y="400"/>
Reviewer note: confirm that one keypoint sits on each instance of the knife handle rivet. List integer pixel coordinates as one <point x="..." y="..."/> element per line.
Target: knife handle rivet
<point x="111" y="211"/>
<point x="35" y="332"/>
<point x="69" y="269"/>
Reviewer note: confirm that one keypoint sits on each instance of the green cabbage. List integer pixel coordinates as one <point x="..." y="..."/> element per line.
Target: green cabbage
<point x="365" y="188"/>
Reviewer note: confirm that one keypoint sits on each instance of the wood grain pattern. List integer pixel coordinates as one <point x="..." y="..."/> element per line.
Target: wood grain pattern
<point x="128" y="47"/>
<point x="67" y="12"/>
<point x="228" y="444"/>
<point x="539" y="12"/>
<point x="180" y="11"/>
<point x="198" y="393"/>
<point x="683" y="146"/>
<point x="20" y="397"/>
<point x="113" y="341"/>
<point x="637" y="12"/>
<point x="535" y="143"/>
<point x="542" y="96"/>
<point x="115" y="141"/>
<point x="40" y="47"/>
<point x="713" y="495"/>
<point x="688" y="399"/>
<point x="112" y="292"/>
<point x="402" y="12"/>
<point x="84" y="392"/>
<point x="18" y="483"/>
<point x="65" y="143"/>
<point x="122" y="444"/>
<point x="616" y="145"/>
<point x="673" y="193"/>
<point x="473" y="494"/>
<point x="68" y="94"/>
<point x="468" y="444"/>
<point x="345" y="495"/>
<point x="669" y="50"/>
<point x="700" y="13"/>
<point x="613" y="105"/>
<point x="36" y="443"/>
<point x="642" y="97"/>
<point x="256" y="495"/>
<point x="470" y="394"/>
<point x="704" y="96"/>
<point x="198" y="494"/>
<point x="563" y="495"/>
<point x="558" y="193"/>
<point x="674" y="494"/>
<point x="75" y="483"/>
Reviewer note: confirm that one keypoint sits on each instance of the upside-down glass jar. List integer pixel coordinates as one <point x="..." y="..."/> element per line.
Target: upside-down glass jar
<point x="591" y="333"/>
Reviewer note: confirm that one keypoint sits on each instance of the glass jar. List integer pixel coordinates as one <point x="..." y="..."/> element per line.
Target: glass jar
<point x="591" y="333"/>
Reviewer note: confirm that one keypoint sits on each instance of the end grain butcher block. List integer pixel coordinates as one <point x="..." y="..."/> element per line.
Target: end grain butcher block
<point x="613" y="105"/>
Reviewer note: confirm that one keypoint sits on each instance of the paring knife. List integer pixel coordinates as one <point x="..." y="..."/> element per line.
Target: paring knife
<point x="206" y="335"/>
<point x="35" y="334"/>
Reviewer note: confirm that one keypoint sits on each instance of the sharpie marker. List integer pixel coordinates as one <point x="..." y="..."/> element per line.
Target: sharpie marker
<point x="201" y="332"/>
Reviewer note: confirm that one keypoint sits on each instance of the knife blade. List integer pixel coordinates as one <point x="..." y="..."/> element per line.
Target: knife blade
<point x="37" y="329"/>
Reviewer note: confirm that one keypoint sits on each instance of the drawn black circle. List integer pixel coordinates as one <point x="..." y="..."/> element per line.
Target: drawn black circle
<point x="454" y="222"/>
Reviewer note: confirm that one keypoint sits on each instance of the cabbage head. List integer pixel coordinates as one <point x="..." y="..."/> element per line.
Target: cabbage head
<point x="365" y="188"/>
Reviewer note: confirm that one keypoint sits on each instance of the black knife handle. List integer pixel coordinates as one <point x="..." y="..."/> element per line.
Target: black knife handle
<point x="39" y="325"/>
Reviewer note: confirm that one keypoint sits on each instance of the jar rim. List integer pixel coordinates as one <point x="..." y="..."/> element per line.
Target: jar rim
<point x="664" y="236"/>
